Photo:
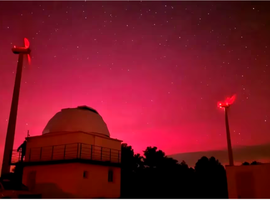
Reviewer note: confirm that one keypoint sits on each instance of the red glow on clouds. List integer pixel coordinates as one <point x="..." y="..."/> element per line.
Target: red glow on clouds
<point x="153" y="70"/>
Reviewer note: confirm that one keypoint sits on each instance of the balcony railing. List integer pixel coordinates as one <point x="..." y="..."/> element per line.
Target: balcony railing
<point x="69" y="152"/>
<point x="16" y="156"/>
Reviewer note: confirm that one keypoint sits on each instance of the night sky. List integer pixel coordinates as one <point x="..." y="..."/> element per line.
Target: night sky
<point x="153" y="70"/>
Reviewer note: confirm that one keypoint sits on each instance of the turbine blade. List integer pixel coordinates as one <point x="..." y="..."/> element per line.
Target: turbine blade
<point x="26" y="43"/>
<point x="232" y="99"/>
<point x="29" y="59"/>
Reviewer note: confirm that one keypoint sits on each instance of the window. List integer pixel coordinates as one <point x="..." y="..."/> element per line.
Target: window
<point x="110" y="175"/>
<point x="85" y="174"/>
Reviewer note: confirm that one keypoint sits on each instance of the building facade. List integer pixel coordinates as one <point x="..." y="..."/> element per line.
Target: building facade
<point x="248" y="181"/>
<point x="74" y="157"/>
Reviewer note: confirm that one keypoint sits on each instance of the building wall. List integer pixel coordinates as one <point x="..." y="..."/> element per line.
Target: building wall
<point x="59" y="139"/>
<point x="107" y="143"/>
<point x="111" y="149"/>
<point x="73" y="137"/>
<point x="52" y="181"/>
<point x="67" y="181"/>
<point x="46" y="141"/>
<point x="96" y="185"/>
<point x="248" y="181"/>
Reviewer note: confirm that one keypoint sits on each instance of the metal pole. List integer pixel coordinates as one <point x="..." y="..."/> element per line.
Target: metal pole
<point x="80" y="150"/>
<point x="228" y="137"/>
<point x="40" y="153"/>
<point x="10" y="160"/>
<point x="101" y="153"/>
<point x="65" y="151"/>
<point x="91" y="152"/>
<point x="77" y="151"/>
<point x="12" y="118"/>
<point x="110" y="155"/>
<point x="20" y="156"/>
<point x="52" y="152"/>
<point x="29" y="154"/>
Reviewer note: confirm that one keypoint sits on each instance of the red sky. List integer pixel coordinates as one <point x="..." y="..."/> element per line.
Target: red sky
<point x="154" y="70"/>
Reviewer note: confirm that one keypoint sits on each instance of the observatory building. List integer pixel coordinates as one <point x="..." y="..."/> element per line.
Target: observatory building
<point x="74" y="157"/>
<point x="248" y="181"/>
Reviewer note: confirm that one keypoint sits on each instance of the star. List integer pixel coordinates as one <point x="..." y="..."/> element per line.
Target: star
<point x="137" y="56"/>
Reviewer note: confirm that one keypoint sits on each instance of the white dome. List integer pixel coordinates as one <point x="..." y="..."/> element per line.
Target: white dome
<point x="82" y="118"/>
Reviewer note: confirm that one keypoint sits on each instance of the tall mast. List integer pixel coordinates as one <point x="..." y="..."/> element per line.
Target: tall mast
<point x="12" y="119"/>
<point x="229" y="144"/>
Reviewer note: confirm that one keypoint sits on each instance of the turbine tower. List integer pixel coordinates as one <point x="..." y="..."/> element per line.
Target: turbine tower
<point x="14" y="106"/>
<point x="226" y="105"/>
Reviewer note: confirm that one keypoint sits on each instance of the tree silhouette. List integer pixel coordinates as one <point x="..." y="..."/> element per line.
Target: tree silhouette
<point x="164" y="176"/>
<point x="131" y="173"/>
<point x="253" y="163"/>
<point x="128" y="171"/>
<point x="245" y="163"/>
<point x="130" y="161"/>
<point x="153" y="158"/>
<point x="155" y="175"/>
<point x="211" y="178"/>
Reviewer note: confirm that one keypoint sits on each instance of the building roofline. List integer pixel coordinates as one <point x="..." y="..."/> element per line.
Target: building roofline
<point x="79" y="161"/>
<point x="72" y="132"/>
<point x="83" y="107"/>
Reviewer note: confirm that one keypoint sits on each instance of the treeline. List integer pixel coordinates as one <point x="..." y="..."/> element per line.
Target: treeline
<point x="154" y="175"/>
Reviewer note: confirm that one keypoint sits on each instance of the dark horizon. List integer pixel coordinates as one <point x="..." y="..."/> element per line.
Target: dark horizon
<point x="259" y="153"/>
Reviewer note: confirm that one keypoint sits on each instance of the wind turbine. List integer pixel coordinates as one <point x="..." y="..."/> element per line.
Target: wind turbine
<point x="14" y="105"/>
<point x="226" y="105"/>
